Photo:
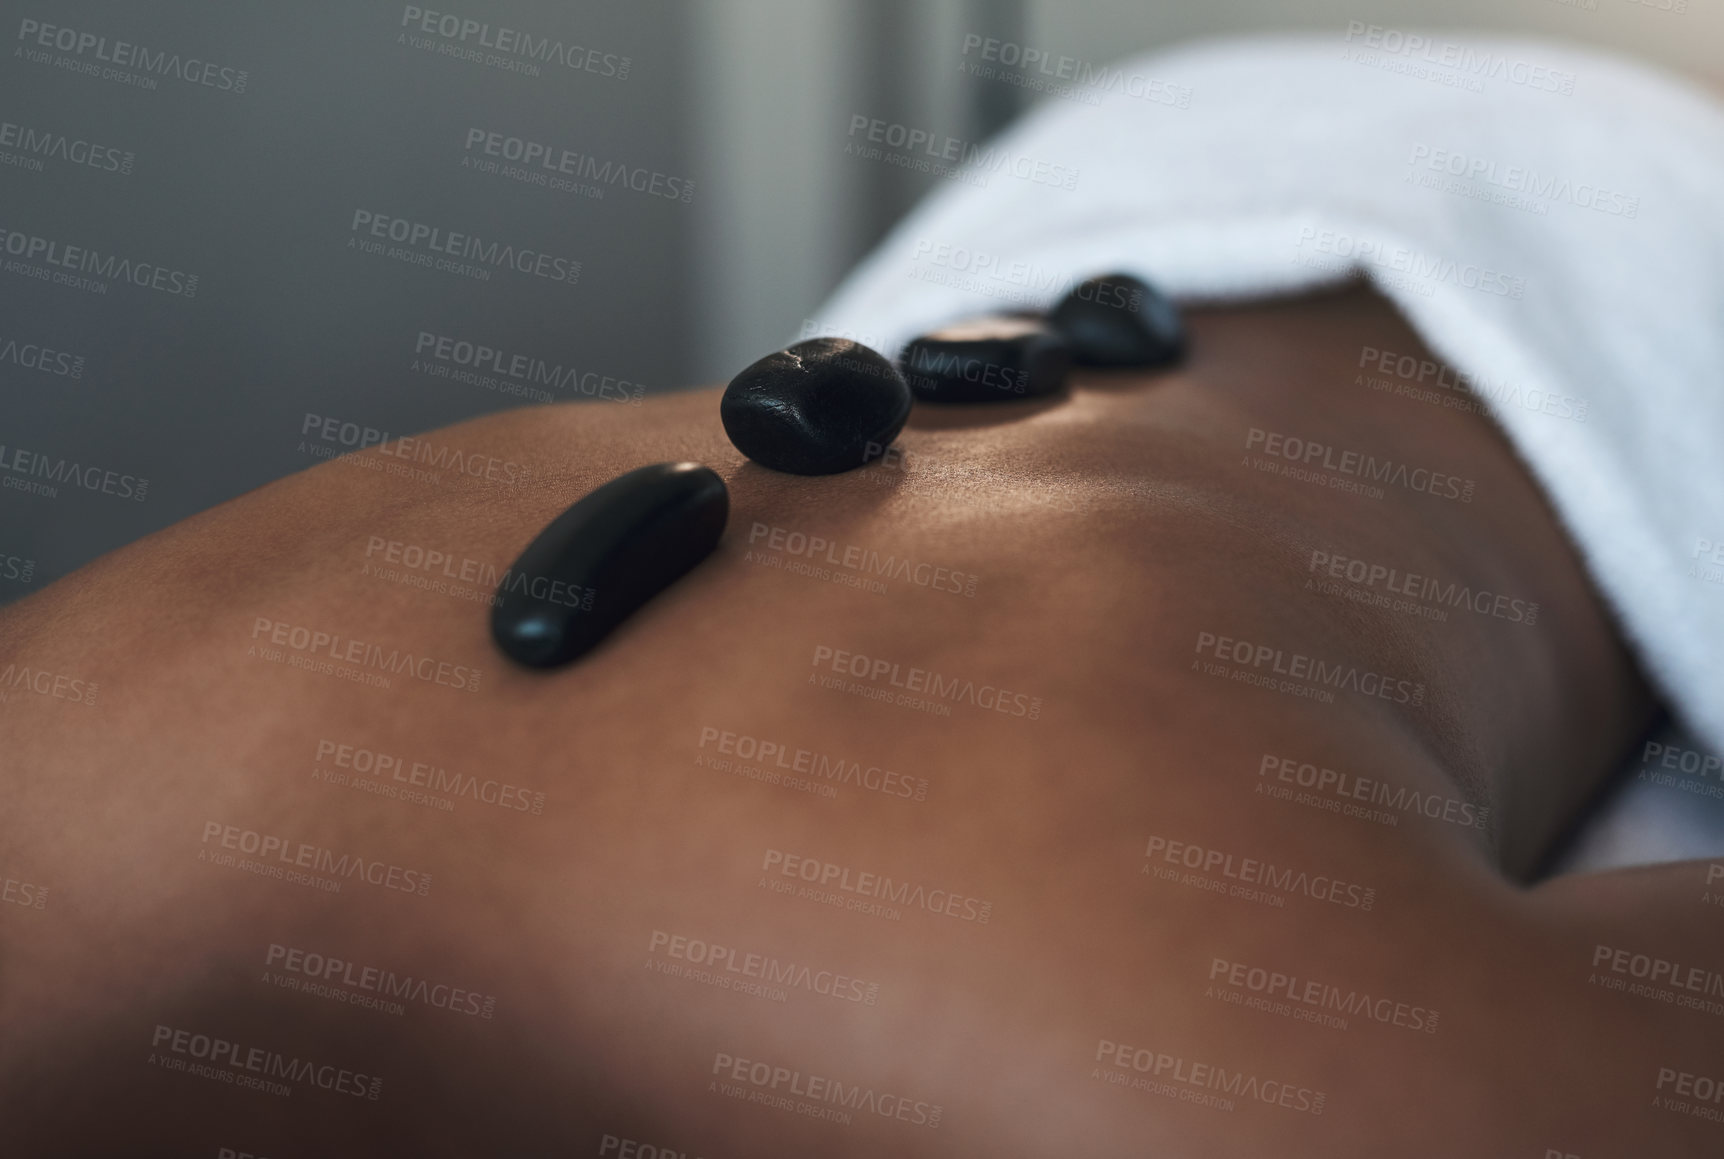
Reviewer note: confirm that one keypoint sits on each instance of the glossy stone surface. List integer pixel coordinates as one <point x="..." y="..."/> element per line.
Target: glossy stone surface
<point x="595" y="564"/>
<point x="995" y="359"/>
<point x="1119" y="320"/>
<point x="816" y="408"/>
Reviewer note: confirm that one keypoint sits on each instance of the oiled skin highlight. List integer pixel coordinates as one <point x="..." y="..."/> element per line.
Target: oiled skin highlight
<point x="1106" y="532"/>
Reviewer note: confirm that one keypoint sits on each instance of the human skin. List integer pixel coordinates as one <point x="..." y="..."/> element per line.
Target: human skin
<point x="1107" y="532"/>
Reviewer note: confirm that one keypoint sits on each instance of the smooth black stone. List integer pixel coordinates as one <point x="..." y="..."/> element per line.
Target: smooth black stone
<point x="613" y="550"/>
<point x="816" y="408"/>
<point x="996" y="359"/>
<point x="1119" y="320"/>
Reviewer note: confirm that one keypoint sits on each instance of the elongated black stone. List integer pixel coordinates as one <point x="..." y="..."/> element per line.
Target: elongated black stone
<point x="994" y="359"/>
<point x="816" y="408"/>
<point x="613" y="550"/>
<point x="1119" y="320"/>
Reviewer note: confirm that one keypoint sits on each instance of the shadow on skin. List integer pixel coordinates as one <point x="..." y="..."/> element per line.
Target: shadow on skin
<point x="1116" y="380"/>
<point x="750" y="483"/>
<point x="954" y="416"/>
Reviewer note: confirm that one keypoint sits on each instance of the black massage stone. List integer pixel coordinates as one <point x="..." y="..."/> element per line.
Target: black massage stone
<point x="1119" y="320"/>
<point x="612" y="551"/>
<point x="995" y="359"/>
<point x="816" y="408"/>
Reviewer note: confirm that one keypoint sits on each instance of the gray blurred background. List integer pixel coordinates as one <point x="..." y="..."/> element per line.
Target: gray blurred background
<point x="128" y="136"/>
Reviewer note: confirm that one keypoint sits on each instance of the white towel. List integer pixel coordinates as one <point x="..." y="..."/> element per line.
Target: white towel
<point x="1550" y="220"/>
